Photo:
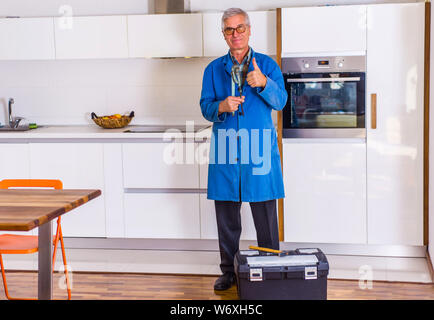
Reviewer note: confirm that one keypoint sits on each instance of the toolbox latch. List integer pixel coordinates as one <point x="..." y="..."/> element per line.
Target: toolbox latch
<point x="256" y="274"/>
<point x="310" y="273"/>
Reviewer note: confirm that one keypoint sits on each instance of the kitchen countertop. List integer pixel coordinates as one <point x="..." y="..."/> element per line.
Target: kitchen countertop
<point x="95" y="132"/>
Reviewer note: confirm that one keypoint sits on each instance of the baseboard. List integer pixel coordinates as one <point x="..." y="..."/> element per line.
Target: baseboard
<point x="212" y="245"/>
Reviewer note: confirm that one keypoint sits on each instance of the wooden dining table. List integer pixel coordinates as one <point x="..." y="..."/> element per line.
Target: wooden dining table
<point x="26" y="209"/>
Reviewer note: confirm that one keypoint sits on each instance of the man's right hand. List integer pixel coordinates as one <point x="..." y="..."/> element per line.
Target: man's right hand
<point x="230" y="104"/>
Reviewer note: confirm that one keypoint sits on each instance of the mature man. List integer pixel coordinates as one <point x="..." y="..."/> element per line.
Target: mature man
<point x="244" y="157"/>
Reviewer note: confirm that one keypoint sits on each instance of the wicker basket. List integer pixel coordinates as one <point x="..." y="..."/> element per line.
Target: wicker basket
<point x="114" y="123"/>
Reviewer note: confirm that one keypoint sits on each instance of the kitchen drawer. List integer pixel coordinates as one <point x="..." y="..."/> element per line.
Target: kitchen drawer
<point x="208" y="221"/>
<point x="162" y="215"/>
<point x="203" y="161"/>
<point x="153" y="165"/>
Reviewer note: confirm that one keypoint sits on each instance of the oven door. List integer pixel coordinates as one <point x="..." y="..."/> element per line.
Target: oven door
<point x="325" y="105"/>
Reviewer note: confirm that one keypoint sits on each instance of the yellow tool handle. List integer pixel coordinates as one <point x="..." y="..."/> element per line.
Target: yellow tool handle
<point x="264" y="249"/>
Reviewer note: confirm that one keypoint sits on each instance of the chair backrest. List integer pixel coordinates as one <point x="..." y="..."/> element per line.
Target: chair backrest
<point x="31" y="183"/>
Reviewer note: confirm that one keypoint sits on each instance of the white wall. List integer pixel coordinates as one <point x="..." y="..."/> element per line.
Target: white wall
<point x="66" y="92"/>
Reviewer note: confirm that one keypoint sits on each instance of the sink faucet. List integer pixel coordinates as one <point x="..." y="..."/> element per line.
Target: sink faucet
<point x="13" y="122"/>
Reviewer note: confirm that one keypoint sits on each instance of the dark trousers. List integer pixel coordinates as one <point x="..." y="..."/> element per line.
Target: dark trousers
<point x="229" y="228"/>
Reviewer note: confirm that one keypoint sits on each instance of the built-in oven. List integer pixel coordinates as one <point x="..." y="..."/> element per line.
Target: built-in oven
<point x="326" y="97"/>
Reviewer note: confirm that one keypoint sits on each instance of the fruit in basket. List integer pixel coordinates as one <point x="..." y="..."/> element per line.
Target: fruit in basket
<point x="113" y="116"/>
<point x="112" y="121"/>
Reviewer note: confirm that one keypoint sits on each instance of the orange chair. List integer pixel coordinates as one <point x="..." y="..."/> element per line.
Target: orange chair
<point x="22" y="244"/>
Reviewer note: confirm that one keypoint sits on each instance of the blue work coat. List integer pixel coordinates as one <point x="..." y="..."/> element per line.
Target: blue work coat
<point x="244" y="156"/>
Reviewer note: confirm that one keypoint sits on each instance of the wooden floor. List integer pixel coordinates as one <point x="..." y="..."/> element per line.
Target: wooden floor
<point x="105" y="286"/>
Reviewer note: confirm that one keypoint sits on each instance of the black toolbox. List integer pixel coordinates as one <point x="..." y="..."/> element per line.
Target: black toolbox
<point x="299" y="274"/>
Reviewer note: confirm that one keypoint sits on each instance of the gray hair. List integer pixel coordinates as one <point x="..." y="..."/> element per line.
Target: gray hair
<point x="234" y="12"/>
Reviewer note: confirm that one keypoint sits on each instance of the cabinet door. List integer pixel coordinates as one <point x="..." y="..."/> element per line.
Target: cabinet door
<point x="162" y="215"/>
<point x="91" y="37"/>
<point x="207" y="209"/>
<point x="395" y="72"/>
<point x="160" y="165"/>
<point x="325" y="187"/>
<point x="78" y="166"/>
<point x="203" y="161"/>
<point x="214" y="44"/>
<point x="14" y="161"/>
<point x="263" y="31"/>
<point x="26" y="39"/>
<point x="14" y="164"/>
<point x="208" y="221"/>
<point x="114" y="190"/>
<point x="165" y="35"/>
<point x="307" y="30"/>
<point x="262" y="39"/>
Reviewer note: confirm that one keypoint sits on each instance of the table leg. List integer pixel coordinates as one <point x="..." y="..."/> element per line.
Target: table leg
<point x="45" y="267"/>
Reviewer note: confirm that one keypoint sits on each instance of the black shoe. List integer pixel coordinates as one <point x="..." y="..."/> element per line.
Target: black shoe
<point x="225" y="281"/>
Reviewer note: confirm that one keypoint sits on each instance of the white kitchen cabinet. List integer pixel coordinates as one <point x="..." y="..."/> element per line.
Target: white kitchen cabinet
<point x="160" y="165"/>
<point x="322" y="30"/>
<point x="203" y="173"/>
<point x="208" y="221"/>
<point x="162" y="215"/>
<point x="26" y="39"/>
<point x="262" y="39"/>
<point x="95" y="37"/>
<point x="114" y="191"/>
<point x="15" y="164"/>
<point x="165" y="35"/>
<point x="14" y="161"/>
<point x="395" y="72"/>
<point x="214" y="44"/>
<point x="325" y="188"/>
<point x="78" y="166"/>
<point x="203" y="162"/>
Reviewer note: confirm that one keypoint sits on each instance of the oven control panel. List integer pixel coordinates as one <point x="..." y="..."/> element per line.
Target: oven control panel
<point x="324" y="64"/>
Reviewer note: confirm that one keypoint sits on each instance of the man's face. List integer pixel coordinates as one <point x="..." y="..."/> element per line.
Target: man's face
<point x="237" y="41"/>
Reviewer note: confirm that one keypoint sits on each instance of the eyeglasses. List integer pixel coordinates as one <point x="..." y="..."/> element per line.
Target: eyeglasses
<point x="230" y="31"/>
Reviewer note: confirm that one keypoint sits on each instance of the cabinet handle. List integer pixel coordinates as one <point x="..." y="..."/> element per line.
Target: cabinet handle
<point x="374" y="111"/>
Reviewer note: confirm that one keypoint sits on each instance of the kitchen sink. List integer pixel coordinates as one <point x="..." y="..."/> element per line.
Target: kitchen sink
<point x="17" y="129"/>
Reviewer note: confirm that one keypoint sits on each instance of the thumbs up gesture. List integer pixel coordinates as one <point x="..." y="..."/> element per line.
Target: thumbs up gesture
<point x="256" y="78"/>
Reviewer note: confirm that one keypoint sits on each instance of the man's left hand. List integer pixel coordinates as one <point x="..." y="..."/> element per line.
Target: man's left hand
<point x="256" y="78"/>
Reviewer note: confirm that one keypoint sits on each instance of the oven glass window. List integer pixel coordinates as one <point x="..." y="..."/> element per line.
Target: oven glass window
<point x="324" y="104"/>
